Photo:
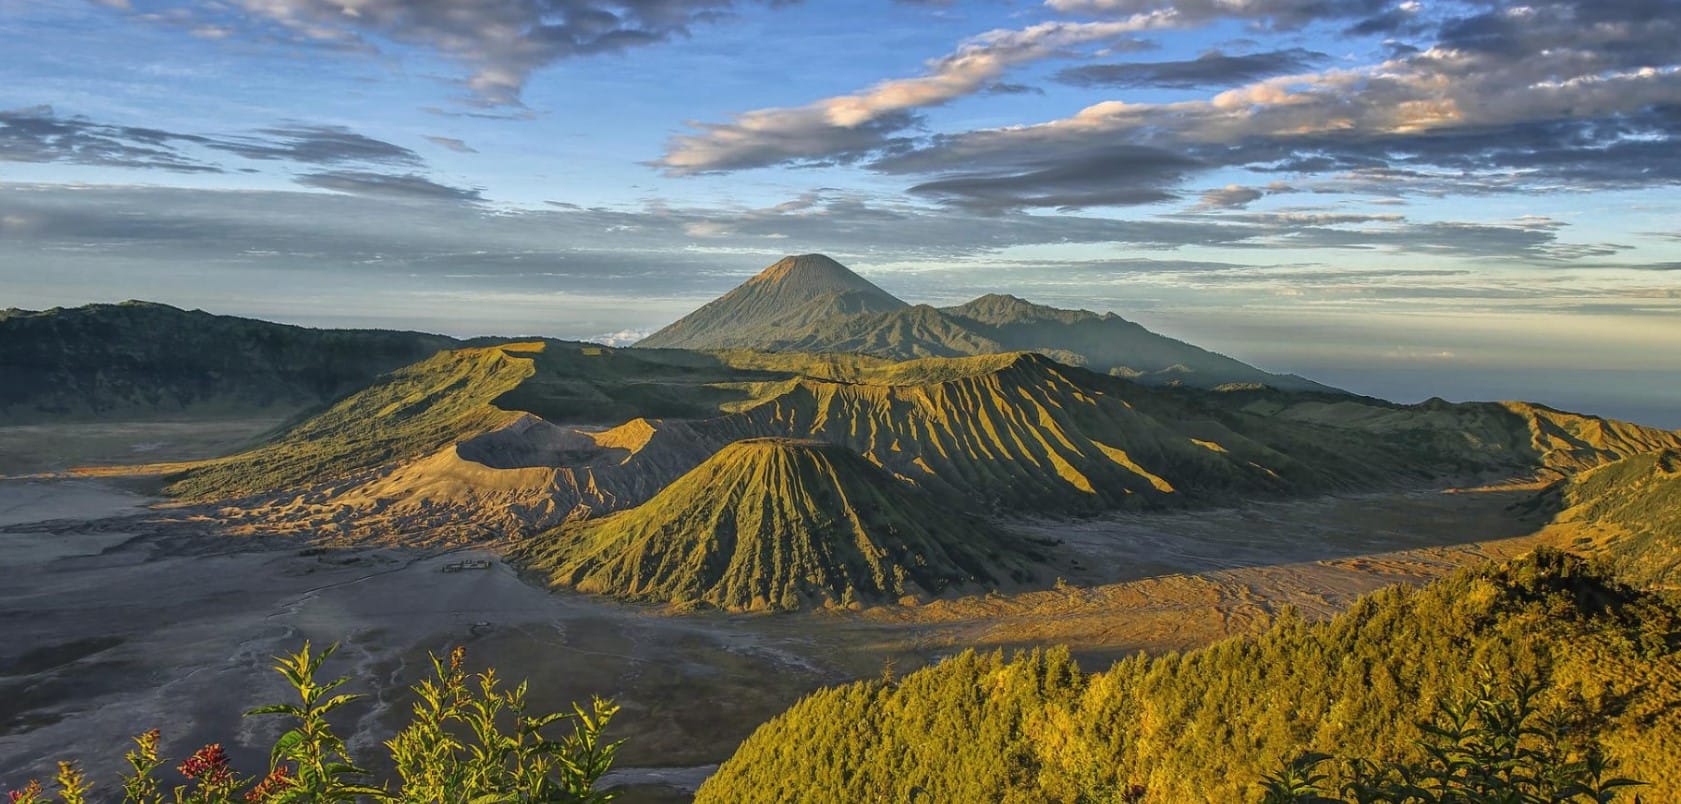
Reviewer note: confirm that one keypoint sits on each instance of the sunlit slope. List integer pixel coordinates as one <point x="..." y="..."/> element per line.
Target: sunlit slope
<point x="1024" y="432"/>
<point x="142" y="360"/>
<point x="461" y="395"/>
<point x="544" y="438"/>
<point x="414" y="410"/>
<point x="780" y="524"/>
<point x="1205" y="725"/>
<point x="1459" y="436"/>
<point x="1632" y="509"/>
<point x="790" y="295"/>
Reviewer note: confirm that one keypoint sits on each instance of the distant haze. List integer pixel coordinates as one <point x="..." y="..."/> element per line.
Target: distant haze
<point x="1366" y="358"/>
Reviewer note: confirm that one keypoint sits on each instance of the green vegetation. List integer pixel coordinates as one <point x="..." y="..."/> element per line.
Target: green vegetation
<point x="470" y="739"/>
<point x="779" y="524"/>
<point x="1211" y="724"/>
<point x="1638" y="500"/>
<point x="138" y="360"/>
<point x="1023" y="432"/>
<point x="1007" y="432"/>
<point x="1488" y="747"/>
<point x="413" y="411"/>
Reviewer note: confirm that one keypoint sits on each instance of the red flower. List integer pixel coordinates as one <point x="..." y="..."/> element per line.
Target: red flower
<point x="209" y="765"/>
<point x="30" y="792"/>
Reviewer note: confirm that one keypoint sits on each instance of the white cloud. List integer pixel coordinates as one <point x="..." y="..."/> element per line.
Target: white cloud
<point x="851" y="125"/>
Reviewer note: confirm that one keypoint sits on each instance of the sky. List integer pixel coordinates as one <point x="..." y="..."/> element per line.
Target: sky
<point x="1472" y="200"/>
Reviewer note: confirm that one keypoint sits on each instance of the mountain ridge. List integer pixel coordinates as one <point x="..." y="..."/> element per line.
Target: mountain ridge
<point x="139" y="359"/>
<point x="778" y="524"/>
<point x="536" y="437"/>
<point x="811" y="303"/>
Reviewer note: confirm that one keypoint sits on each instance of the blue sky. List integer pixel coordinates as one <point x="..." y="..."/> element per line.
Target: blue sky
<point x="1465" y="199"/>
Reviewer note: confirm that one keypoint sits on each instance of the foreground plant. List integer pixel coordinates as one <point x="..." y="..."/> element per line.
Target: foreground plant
<point x="470" y="740"/>
<point x="456" y="750"/>
<point x="1489" y="747"/>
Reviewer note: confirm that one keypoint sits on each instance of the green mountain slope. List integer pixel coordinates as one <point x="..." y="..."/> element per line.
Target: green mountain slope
<point x="512" y="440"/>
<point x="459" y="395"/>
<point x="779" y="524"/>
<point x="1205" y="725"/>
<point x="790" y="295"/>
<point x="1635" y="505"/>
<point x="1022" y="432"/>
<point x="138" y="359"/>
<point x="1454" y="437"/>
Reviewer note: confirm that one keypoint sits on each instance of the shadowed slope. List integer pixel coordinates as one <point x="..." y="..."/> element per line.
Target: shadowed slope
<point x="139" y="359"/>
<point x="779" y="524"/>
<point x="999" y="323"/>
<point x="1110" y="344"/>
<point x="1456" y="437"/>
<point x="788" y="296"/>
<point x="919" y="331"/>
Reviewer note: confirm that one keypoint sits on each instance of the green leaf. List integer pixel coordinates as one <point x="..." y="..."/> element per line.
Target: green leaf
<point x="285" y="747"/>
<point x="275" y="709"/>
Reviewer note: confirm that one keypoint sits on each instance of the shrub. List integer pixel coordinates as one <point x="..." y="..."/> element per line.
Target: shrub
<point x="1488" y="747"/>
<point x="471" y="739"/>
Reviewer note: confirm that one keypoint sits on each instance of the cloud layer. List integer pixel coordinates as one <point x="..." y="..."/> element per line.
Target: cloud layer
<point x="501" y="42"/>
<point x="359" y="164"/>
<point x="1553" y="95"/>
<point x="1211" y="69"/>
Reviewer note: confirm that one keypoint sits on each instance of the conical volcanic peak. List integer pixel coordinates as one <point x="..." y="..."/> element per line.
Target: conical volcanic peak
<point x="814" y="273"/>
<point x="789" y="296"/>
<point x="772" y="523"/>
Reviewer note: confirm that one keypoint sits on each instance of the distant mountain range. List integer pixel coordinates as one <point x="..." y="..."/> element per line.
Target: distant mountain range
<point x="141" y="359"/>
<point x="671" y="473"/>
<point x="810" y="303"/>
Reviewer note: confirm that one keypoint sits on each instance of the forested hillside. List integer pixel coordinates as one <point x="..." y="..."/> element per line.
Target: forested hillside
<point x="1633" y="507"/>
<point x="1208" y="724"/>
